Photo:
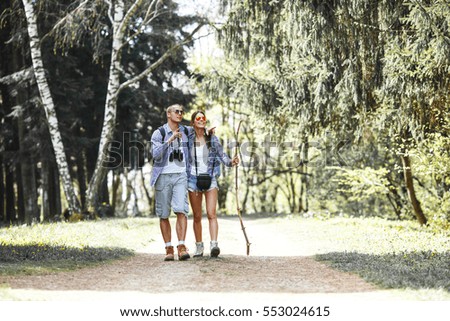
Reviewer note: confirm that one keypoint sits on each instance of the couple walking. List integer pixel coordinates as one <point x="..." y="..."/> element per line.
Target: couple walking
<point x="186" y="159"/>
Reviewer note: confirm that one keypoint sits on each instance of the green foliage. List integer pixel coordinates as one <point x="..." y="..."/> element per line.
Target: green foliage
<point x="362" y="184"/>
<point x="370" y="73"/>
<point x="431" y="159"/>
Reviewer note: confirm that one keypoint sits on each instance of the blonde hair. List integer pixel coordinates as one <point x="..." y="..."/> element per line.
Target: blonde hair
<point x="171" y="107"/>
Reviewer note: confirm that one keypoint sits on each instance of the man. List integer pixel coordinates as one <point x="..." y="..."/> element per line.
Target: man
<point x="170" y="152"/>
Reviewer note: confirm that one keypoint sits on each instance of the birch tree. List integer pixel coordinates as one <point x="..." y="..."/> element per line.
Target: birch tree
<point x="126" y="20"/>
<point x="49" y="106"/>
<point x="120" y="19"/>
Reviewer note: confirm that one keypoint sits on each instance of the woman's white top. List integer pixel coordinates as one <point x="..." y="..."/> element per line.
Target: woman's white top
<point x="202" y="160"/>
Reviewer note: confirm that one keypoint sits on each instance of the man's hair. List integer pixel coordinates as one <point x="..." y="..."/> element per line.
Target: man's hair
<point x="171" y="107"/>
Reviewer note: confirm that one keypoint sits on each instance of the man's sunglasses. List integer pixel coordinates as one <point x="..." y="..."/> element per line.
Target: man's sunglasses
<point x="198" y="118"/>
<point x="178" y="111"/>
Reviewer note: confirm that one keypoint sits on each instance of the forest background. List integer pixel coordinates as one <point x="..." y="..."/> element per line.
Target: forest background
<point x="344" y="104"/>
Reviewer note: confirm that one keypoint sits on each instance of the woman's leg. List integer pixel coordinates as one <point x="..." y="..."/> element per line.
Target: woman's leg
<point x="211" y="205"/>
<point x="195" y="198"/>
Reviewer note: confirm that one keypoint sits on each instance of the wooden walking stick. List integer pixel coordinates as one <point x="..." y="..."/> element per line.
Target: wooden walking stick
<point x="237" y="191"/>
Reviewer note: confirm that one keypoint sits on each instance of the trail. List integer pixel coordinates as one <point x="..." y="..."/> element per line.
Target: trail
<point x="280" y="266"/>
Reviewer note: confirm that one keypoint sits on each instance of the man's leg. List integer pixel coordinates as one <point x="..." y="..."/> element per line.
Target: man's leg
<point x="181" y="226"/>
<point x="166" y="230"/>
<point x="163" y="195"/>
<point x="180" y="206"/>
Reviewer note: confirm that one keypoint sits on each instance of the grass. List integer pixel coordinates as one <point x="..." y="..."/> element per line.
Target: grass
<point x="399" y="256"/>
<point x="391" y="254"/>
<point x="52" y="247"/>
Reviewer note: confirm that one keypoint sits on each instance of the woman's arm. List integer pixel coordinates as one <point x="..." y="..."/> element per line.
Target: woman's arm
<point x="224" y="158"/>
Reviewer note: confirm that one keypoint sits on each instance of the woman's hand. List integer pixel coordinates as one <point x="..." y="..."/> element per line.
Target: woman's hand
<point x="235" y="161"/>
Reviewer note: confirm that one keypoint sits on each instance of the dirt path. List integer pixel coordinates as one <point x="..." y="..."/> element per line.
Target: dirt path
<point x="279" y="266"/>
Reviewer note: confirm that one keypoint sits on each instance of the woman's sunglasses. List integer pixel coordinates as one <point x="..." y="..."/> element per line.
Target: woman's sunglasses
<point x="198" y="118"/>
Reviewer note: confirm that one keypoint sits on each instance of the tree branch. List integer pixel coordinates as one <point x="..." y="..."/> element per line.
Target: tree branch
<point x="129" y="13"/>
<point x="62" y="20"/>
<point x="145" y="22"/>
<point x="159" y="62"/>
<point x="110" y="11"/>
<point x="25" y="74"/>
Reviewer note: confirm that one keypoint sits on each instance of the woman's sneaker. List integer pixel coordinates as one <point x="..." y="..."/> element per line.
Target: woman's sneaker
<point x="215" y="250"/>
<point x="199" y="249"/>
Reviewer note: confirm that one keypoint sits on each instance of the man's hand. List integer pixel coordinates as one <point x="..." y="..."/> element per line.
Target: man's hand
<point x="176" y="134"/>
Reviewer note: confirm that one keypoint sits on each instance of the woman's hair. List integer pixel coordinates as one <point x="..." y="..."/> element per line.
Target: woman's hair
<point x="207" y="137"/>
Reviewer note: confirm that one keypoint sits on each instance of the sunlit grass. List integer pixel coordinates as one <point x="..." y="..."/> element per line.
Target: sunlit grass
<point x="391" y="254"/>
<point x="65" y="246"/>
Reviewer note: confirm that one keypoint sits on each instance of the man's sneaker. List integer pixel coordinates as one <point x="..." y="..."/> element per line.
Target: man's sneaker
<point x="169" y="254"/>
<point x="182" y="252"/>
<point x="215" y="250"/>
<point x="199" y="249"/>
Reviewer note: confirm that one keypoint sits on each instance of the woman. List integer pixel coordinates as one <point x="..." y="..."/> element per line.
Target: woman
<point x="207" y="154"/>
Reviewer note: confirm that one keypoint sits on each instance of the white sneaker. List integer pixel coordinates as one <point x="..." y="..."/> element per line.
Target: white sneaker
<point x="199" y="249"/>
<point x="215" y="250"/>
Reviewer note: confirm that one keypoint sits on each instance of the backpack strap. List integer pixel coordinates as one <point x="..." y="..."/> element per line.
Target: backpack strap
<point x="162" y="132"/>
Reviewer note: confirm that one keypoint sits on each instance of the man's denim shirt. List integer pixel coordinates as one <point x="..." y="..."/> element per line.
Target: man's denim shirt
<point x="160" y="151"/>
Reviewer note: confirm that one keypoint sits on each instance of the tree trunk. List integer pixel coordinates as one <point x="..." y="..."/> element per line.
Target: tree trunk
<point x="273" y="206"/>
<point x="45" y="190"/>
<point x="20" y="198"/>
<point x="49" y="107"/>
<point x="115" y="188"/>
<point x="411" y="192"/>
<point x="304" y="180"/>
<point x="144" y="186"/>
<point x="50" y="195"/>
<point x="55" y="193"/>
<point x="10" y="196"/>
<point x="28" y="178"/>
<point x="109" y="120"/>
<point x="293" y="193"/>
<point x="81" y="177"/>
<point x="2" y="192"/>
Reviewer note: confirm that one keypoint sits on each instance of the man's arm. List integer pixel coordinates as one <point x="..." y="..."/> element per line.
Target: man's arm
<point x="158" y="146"/>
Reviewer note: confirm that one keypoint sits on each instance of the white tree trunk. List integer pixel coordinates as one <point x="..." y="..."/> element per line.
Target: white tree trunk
<point x="109" y="119"/>
<point x="49" y="107"/>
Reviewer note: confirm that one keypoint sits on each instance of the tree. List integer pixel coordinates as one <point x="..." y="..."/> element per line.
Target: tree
<point x="49" y="107"/>
<point x="120" y="20"/>
<point x="337" y="66"/>
<point x="81" y="26"/>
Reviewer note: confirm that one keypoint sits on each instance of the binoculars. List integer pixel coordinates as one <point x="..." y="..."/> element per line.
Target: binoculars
<point x="176" y="154"/>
